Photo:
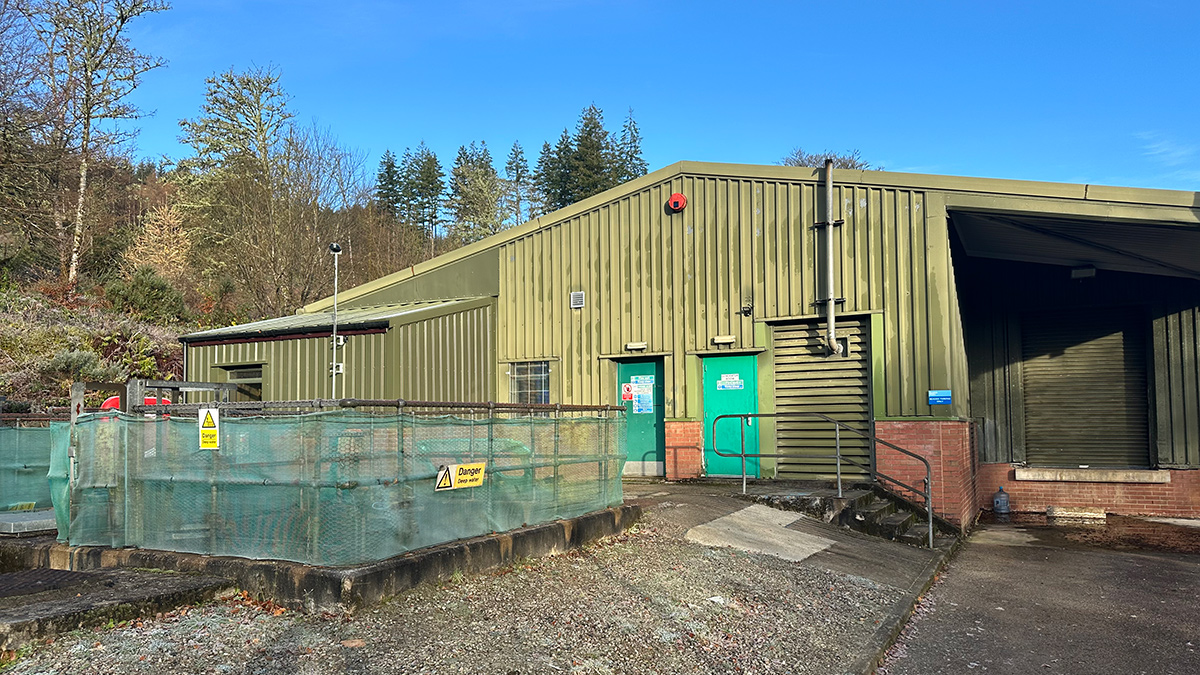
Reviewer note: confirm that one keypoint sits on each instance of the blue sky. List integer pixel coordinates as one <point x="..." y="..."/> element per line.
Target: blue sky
<point x="1085" y="92"/>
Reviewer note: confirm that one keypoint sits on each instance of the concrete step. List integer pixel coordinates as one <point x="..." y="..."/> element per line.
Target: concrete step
<point x="876" y="511"/>
<point x="822" y="504"/>
<point x="892" y="526"/>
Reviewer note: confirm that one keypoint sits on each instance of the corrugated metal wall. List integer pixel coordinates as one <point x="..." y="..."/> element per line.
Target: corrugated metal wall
<point x="675" y="281"/>
<point x="446" y="357"/>
<point x="1177" y="383"/>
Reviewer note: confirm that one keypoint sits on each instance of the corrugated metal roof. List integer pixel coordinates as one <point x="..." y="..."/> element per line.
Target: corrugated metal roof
<point x="299" y="324"/>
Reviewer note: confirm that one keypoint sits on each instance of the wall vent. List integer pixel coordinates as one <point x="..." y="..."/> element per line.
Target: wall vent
<point x="576" y="299"/>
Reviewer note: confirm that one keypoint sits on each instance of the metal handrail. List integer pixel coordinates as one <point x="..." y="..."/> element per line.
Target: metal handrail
<point x="927" y="493"/>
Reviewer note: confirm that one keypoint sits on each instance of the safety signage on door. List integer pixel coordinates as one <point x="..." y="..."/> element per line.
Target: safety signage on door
<point x="642" y="393"/>
<point x="627" y="391"/>
<point x="457" y="476"/>
<point x="210" y="429"/>
<point x="730" y="382"/>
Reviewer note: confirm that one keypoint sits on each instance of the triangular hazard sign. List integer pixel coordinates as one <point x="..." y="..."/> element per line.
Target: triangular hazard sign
<point x="444" y="480"/>
<point x="208" y="422"/>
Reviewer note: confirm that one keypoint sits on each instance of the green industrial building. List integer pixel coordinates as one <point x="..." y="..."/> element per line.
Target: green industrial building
<point x="1041" y="336"/>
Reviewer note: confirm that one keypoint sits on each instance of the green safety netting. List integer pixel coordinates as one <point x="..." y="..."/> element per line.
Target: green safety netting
<point x="24" y="463"/>
<point x="336" y="488"/>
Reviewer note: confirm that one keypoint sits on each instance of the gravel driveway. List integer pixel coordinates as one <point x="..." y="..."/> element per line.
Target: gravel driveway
<point x="644" y="602"/>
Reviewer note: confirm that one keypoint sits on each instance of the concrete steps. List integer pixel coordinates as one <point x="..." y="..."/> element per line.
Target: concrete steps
<point x="862" y="508"/>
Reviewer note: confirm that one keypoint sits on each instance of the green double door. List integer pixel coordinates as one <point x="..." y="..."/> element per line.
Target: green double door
<point x="640" y="390"/>
<point x="730" y="388"/>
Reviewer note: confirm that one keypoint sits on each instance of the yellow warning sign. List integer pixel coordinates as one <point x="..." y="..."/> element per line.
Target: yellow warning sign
<point x="457" y="476"/>
<point x="210" y="429"/>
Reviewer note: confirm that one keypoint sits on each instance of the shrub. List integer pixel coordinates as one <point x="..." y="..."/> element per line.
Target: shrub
<point x="147" y="295"/>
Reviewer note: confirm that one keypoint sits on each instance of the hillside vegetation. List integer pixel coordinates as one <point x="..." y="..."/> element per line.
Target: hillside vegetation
<point x="46" y="343"/>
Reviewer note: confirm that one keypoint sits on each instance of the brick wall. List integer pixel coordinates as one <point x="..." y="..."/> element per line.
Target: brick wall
<point x="1179" y="498"/>
<point x="684" y="452"/>
<point x="948" y="445"/>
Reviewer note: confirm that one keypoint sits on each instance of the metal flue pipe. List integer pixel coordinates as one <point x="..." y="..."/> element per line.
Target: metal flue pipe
<point x="835" y="348"/>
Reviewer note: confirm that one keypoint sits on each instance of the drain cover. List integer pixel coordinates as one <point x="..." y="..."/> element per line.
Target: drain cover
<point x="26" y="582"/>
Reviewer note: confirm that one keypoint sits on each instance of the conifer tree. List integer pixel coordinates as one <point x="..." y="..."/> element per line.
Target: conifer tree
<point x="590" y="164"/>
<point x="629" y="163"/>
<point x="388" y="186"/>
<point x="517" y="184"/>
<point x="421" y="190"/>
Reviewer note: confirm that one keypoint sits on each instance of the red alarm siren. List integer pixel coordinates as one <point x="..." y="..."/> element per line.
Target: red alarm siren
<point x="677" y="202"/>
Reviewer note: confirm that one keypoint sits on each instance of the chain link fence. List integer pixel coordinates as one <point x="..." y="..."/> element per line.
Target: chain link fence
<point x="331" y="488"/>
<point x="24" y="463"/>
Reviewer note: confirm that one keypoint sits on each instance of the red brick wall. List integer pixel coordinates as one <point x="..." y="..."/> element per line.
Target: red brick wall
<point x="949" y="448"/>
<point x="685" y="454"/>
<point x="1179" y="498"/>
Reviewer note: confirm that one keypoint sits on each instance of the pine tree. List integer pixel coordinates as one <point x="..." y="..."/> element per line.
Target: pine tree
<point x="629" y="163"/>
<point x="422" y="187"/>
<point x="388" y="186"/>
<point x="517" y="184"/>
<point x="590" y="167"/>
<point x="552" y="178"/>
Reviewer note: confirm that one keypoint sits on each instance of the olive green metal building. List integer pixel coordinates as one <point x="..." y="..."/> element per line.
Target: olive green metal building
<point x="1041" y="335"/>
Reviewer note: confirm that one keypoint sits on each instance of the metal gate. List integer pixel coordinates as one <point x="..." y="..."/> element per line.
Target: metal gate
<point x="809" y="380"/>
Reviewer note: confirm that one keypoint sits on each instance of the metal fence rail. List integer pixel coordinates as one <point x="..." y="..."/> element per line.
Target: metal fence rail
<point x="875" y="474"/>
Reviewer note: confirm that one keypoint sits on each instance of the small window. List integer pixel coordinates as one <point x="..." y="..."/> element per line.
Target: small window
<point x="248" y="380"/>
<point x="529" y="382"/>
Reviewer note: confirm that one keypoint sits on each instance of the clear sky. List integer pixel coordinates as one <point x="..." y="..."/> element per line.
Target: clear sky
<point x="1085" y="92"/>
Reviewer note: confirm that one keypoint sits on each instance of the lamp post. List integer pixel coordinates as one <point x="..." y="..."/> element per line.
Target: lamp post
<point x="335" y="368"/>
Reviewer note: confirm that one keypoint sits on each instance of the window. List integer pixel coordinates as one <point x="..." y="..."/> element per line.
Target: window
<point x="529" y="382"/>
<point x="248" y="380"/>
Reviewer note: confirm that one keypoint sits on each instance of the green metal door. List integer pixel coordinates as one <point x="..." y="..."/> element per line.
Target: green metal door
<point x="730" y="387"/>
<point x="640" y="390"/>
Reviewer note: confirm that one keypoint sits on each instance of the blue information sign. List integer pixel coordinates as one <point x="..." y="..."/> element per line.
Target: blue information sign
<point x="939" y="397"/>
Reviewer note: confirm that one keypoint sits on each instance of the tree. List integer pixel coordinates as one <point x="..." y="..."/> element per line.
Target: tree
<point x="265" y="196"/>
<point x="91" y="69"/>
<point x="591" y="163"/>
<point x="422" y="188"/>
<point x="849" y="160"/>
<point x="552" y="176"/>
<point x="517" y="184"/>
<point x="388" y="187"/>
<point x="628" y="162"/>
<point x="476" y="194"/>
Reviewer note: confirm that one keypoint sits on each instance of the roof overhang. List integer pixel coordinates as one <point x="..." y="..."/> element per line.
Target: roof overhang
<point x="1147" y="247"/>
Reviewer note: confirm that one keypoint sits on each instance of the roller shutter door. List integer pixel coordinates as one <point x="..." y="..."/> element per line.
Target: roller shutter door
<point x="807" y="380"/>
<point x="1084" y="377"/>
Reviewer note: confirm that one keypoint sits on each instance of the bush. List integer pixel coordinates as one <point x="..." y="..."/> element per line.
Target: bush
<point x="147" y="295"/>
<point x="78" y="365"/>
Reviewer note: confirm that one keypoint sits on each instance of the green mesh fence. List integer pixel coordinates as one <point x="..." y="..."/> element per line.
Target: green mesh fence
<point x="24" y="463"/>
<point x="336" y="488"/>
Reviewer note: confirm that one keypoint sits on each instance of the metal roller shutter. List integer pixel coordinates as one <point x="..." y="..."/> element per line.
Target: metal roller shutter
<point x="807" y="380"/>
<point x="1084" y="376"/>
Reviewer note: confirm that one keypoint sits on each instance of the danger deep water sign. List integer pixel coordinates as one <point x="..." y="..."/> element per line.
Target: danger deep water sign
<point x="457" y="476"/>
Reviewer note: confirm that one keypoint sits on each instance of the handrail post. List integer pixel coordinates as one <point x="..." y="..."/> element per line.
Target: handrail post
<point x="929" y="506"/>
<point x="743" y="453"/>
<point x="837" y="447"/>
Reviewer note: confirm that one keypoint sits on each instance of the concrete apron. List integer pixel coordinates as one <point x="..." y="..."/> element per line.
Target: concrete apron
<point x="313" y="588"/>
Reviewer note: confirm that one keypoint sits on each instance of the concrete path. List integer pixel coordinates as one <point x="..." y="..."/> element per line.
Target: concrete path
<point x="1038" y="599"/>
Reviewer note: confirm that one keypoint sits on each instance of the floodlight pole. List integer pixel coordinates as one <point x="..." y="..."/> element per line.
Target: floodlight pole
<point x="336" y="250"/>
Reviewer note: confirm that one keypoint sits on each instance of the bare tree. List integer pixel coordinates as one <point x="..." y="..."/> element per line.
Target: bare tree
<point x="265" y="196"/>
<point x="845" y="160"/>
<point x="89" y="70"/>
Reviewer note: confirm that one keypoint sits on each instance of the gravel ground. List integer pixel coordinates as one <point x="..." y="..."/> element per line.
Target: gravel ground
<point x="644" y="602"/>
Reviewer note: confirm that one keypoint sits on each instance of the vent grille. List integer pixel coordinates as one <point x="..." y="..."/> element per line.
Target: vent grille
<point x="576" y="299"/>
